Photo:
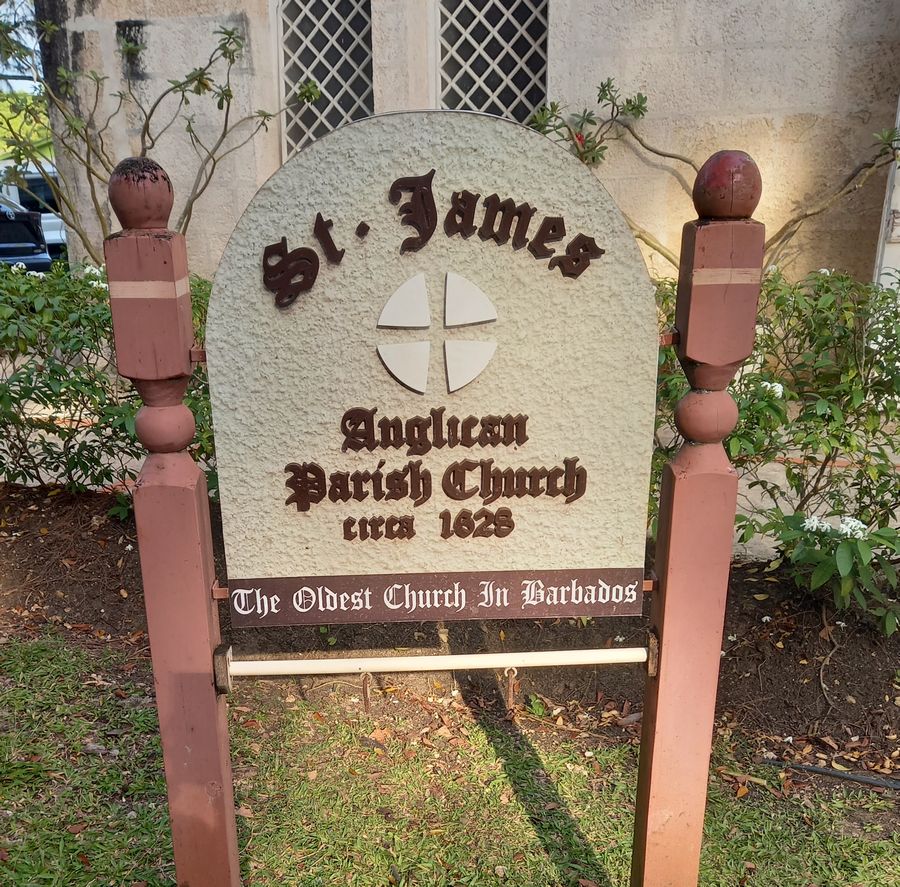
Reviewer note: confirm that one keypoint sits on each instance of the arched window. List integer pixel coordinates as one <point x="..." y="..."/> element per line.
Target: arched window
<point x="493" y="56"/>
<point x="330" y="42"/>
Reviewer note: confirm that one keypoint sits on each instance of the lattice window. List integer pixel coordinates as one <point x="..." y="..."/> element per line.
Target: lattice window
<point x="494" y="56"/>
<point x="330" y="42"/>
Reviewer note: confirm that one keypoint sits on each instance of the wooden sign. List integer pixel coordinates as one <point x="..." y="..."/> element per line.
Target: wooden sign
<point x="432" y="356"/>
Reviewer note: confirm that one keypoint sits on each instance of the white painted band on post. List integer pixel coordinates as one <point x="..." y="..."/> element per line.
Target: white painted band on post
<point x="724" y="276"/>
<point x="454" y="662"/>
<point x="150" y="289"/>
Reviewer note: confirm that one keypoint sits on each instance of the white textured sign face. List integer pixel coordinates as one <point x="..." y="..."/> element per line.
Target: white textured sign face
<point x="432" y="357"/>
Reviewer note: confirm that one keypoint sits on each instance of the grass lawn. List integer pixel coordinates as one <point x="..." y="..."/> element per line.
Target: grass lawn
<point x="429" y="792"/>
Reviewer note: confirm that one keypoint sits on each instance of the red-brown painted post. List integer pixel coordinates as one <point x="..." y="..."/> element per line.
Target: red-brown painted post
<point x="715" y="315"/>
<point x="151" y="308"/>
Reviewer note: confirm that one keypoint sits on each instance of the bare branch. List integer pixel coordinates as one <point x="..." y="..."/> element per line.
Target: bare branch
<point x="652" y="149"/>
<point x="852" y="183"/>
<point x="646" y="237"/>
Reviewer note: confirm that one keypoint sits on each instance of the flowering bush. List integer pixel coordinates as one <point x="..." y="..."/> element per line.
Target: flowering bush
<point x="856" y="563"/>
<point x="820" y="396"/>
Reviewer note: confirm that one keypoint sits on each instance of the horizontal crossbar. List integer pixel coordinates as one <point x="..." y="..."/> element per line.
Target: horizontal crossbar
<point x="228" y="667"/>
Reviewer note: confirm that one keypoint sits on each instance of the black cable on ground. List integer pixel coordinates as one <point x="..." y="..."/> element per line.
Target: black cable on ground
<point x="880" y="781"/>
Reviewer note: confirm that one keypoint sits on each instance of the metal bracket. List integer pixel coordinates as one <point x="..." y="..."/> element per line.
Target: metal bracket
<point x="366" y="681"/>
<point x="219" y="592"/>
<point x="222" y="669"/>
<point x="652" y="654"/>
<point x="510" y="688"/>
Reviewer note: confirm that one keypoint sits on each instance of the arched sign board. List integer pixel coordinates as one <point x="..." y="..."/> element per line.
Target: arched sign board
<point x="432" y="352"/>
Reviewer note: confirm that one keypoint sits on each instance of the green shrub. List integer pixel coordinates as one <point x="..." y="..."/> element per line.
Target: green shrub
<point x="821" y="394"/>
<point x="203" y="448"/>
<point x="65" y="415"/>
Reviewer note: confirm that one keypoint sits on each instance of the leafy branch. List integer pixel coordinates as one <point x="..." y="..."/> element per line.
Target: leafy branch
<point x="83" y="115"/>
<point x="588" y="133"/>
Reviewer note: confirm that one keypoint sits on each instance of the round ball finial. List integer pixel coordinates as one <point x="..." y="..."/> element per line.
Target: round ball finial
<point x="141" y="194"/>
<point x="706" y="416"/>
<point x="165" y="429"/>
<point x="728" y="186"/>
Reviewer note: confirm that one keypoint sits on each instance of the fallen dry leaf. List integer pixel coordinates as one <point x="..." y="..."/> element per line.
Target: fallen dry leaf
<point x="76" y="829"/>
<point x="742" y="791"/>
<point x="380" y="736"/>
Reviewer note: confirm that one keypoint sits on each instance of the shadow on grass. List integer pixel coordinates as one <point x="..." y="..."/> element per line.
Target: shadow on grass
<point x="565" y="844"/>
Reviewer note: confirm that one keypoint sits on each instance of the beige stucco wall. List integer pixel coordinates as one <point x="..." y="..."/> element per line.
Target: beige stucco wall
<point x="800" y="85"/>
<point x="178" y="37"/>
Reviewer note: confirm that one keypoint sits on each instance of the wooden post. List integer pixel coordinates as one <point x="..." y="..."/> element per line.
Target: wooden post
<point x="715" y="315"/>
<point x="151" y="307"/>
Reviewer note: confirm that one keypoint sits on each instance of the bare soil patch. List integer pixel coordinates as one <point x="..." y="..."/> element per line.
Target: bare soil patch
<point x="798" y="681"/>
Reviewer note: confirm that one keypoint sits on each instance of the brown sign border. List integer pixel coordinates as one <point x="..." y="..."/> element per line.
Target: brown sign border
<point x="362" y="598"/>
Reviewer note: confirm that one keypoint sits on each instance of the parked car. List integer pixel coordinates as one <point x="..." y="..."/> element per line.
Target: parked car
<point x="22" y="237"/>
<point x="37" y="196"/>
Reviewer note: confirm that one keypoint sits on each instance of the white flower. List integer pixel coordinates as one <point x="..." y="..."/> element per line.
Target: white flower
<point x="851" y="527"/>
<point x="732" y="637"/>
<point x="723" y="654"/>
<point x="19" y="267"/>
<point x="771" y="269"/>
<point x="841" y="624"/>
<point x="789" y="740"/>
<point x="619" y="639"/>
<point x="34" y="273"/>
<point x="775" y="387"/>
<point x="92" y="271"/>
<point x="826" y="271"/>
<point x="99" y="285"/>
<point x="129" y="547"/>
<point x="813" y="524"/>
<point x="767" y="619"/>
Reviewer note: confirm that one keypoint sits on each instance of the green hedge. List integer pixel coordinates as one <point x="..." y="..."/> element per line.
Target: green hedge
<point x="821" y="388"/>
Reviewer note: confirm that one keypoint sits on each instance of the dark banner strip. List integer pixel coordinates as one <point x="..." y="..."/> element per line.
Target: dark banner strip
<point x="429" y="597"/>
